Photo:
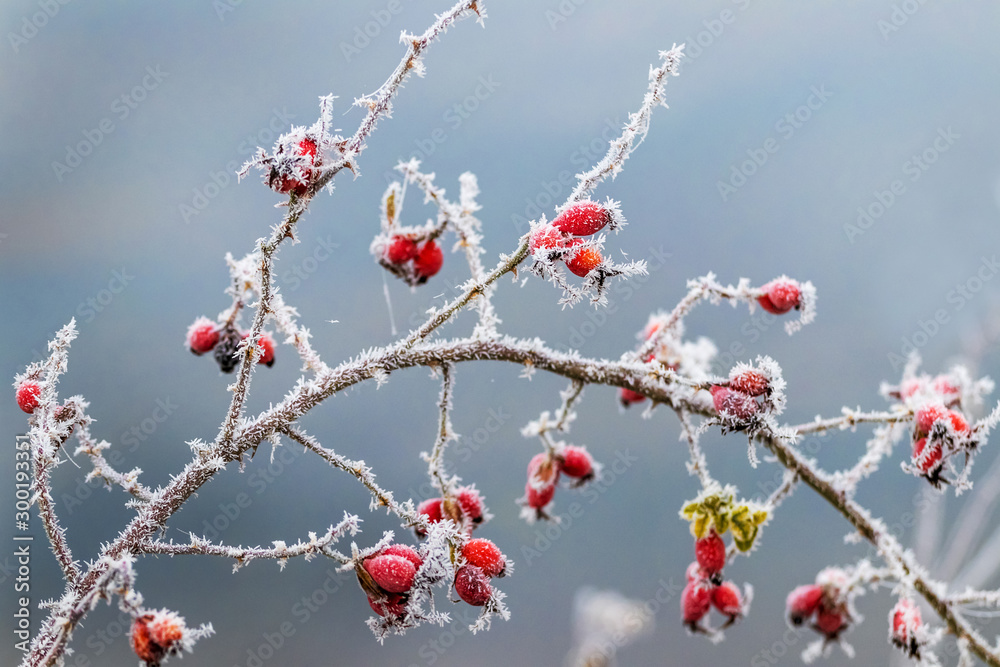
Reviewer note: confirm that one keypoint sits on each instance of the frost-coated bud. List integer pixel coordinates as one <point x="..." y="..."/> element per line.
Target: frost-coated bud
<point x="202" y="336"/>
<point x="582" y="219"/>
<point x="428" y="261"/>
<point x="472" y="585"/>
<point x="393" y="573"/>
<point x="802" y="603"/>
<point x="27" y="396"/>
<point x="486" y="556"/>
<point x="156" y="635"/>
<point x="780" y="296"/>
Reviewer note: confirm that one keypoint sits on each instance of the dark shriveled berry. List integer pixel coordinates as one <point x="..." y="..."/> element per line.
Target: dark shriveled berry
<point x="225" y="349"/>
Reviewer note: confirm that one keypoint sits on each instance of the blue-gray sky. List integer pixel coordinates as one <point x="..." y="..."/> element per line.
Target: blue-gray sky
<point x="900" y="92"/>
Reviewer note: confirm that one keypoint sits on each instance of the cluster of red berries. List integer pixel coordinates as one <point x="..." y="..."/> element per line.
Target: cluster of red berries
<point x="295" y="174"/>
<point x="705" y="587"/>
<point x="483" y="561"/>
<point x="942" y="427"/>
<point x="544" y="470"/>
<point x="387" y="578"/>
<point x="743" y="397"/>
<point x="560" y="239"/>
<point x="415" y="263"/>
<point x="906" y="627"/>
<point x="156" y="635"/>
<point x="822" y="605"/>
<point x="465" y="509"/>
<point x="780" y="296"/>
<point x="205" y="335"/>
<point x="27" y="395"/>
<point x="941" y="387"/>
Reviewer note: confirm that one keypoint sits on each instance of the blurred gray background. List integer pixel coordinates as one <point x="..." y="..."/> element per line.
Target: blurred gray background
<point x="110" y="242"/>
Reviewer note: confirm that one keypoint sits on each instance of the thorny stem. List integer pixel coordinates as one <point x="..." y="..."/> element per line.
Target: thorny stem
<point x="850" y="419"/>
<point x="435" y="463"/>
<point x="697" y="465"/>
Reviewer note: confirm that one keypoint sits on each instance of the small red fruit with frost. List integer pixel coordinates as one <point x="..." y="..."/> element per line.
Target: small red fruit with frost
<point x="802" y="603"/>
<point x="486" y="556"/>
<point x="627" y="397"/>
<point x="471" y="503"/>
<point x="577" y="462"/>
<point x="431" y="508"/>
<point x="472" y="585"/>
<point x="905" y="622"/>
<point x="543" y="474"/>
<point x="696" y="600"/>
<point x="428" y="261"/>
<point x="156" y="635"/>
<point x="393" y="573"/>
<point x="710" y="552"/>
<point x="202" y="336"/>
<point x="266" y="345"/>
<point x="582" y="219"/>
<point x="780" y="296"/>
<point x="400" y="250"/>
<point x="546" y="237"/>
<point x="404" y="551"/>
<point x="728" y="600"/>
<point x="958" y="422"/>
<point x="733" y="403"/>
<point x="830" y="622"/>
<point x="285" y="185"/>
<point x="751" y="383"/>
<point x="584" y="260"/>
<point x="928" y="414"/>
<point x="933" y="457"/>
<point x="27" y="396"/>
<point x="394" y="603"/>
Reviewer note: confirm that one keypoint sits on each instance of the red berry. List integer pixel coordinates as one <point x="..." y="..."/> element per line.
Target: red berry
<point x="156" y="635"/>
<point x="582" y="219"/>
<point x="728" y="599"/>
<point x="428" y="261"/>
<point x="802" y="603"/>
<point x="696" y="599"/>
<point x="400" y="250"/>
<point x="958" y="422"/>
<point x="472" y="585"/>
<point x="710" y="552"/>
<point x="394" y="603"/>
<point x="829" y="622"/>
<point x="307" y="148"/>
<point x="431" y="508"/>
<point x="628" y="397"/>
<point x="584" y="260"/>
<point x="471" y="503"/>
<point x="933" y="457"/>
<point x="928" y="414"/>
<point x="202" y="335"/>
<point x="546" y="237"/>
<point x="27" y="396"/>
<point x="911" y="387"/>
<point x="944" y="386"/>
<point x="266" y="345"/>
<point x="905" y="622"/>
<point x="752" y="383"/>
<point x="651" y="328"/>
<point x="733" y="403"/>
<point x="543" y="474"/>
<point x="486" y="556"/>
<point x="404" y="551"/>
<point x="780" y="296"/>
<point x="577" y="462"/>
<point x="393" y="573"/>
<point x="695" y="573"/>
